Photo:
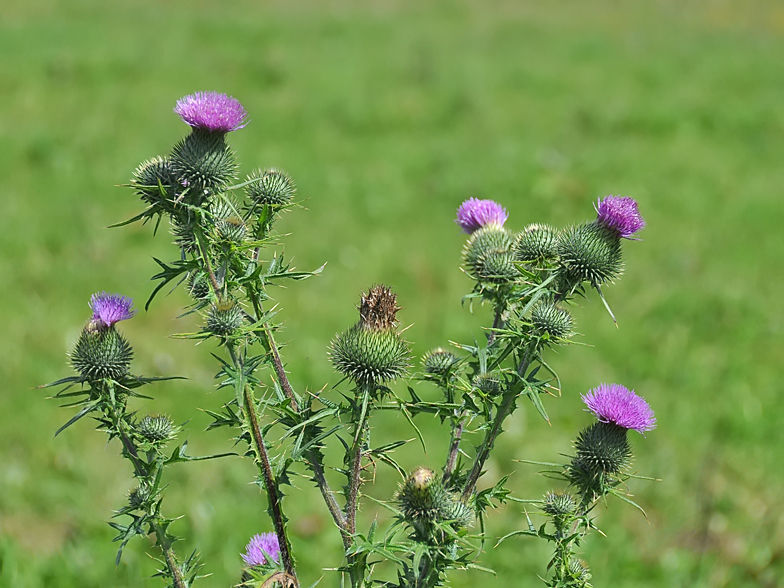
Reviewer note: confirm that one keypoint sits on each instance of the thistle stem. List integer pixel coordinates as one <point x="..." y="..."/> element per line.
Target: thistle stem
<point x="178" y="581"/>
<point x="269" y="481"/>
<point x="454" y="446"/>
<point x="207" y="265"/>
<point x="355" y="563"/>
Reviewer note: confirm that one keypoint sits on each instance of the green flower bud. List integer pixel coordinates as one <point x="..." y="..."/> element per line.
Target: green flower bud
<point x="579" y="573"/>
<point x="198" y="285"/>
<point x="100" y="353"/>
<point x="559" y="504"/>
<point x="271" y="187"/>
<point x="183" y="236"/>
<point x="488" y="257"/>
<point x="536" y="243"/>
<point x="156" y="428"/>
<point x="423" y="496"/>
<point x="551" y="319"/>
<point x="224" y="318"/>
<point x="602" y="452"/>
<point x="589" y="253"/>
<point x="368" y="356"/>
<point x="204" y="164"/>
<point x="139" y="496"/>
<point x="150" y="177"/>
<point x="458" y="513"/>
<point x="439" y="362"/>
<point x="490" y="384"/>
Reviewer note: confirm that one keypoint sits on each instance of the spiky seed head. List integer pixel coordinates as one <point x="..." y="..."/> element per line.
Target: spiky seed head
<point x="101" y="353"/>
<point x="139" y="496"/>
<point x="490" y="383"/>
<point x="150" y="177"/>
<point x="537" y="242"/>
<point x="369" y="356"/>
<point x="224" y="318"/>
<point x="558" y="504"/>
<point x="198" y="285"/>
<point x="602" y="452"/>
<point x="547" y="317"/>
<point x="271" y="186"/>
<point x="439" y="361"/>
<point x="579" y="573"/>
<point x="204" y="164"/>
<point x="487" y="253"/>
<point x="155" y="427"/>
<point x="589" y="253"/>
<point x="378" y="308"/>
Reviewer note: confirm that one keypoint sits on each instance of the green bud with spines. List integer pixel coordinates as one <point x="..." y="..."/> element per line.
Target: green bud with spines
<point x="547" y="317"/>
<point x="139" y="496"/>
<point x="198" y="285"/>
<point x="372" y="351"/>
<point x="497" y="267"/>
<point x="155" y="428"/>
<point x="204" y="164"/>
<point x="368" y="356"/>
<point x="589" y="253"/>
<point x="537" y="242"/>
<point x="439" y="362"/>
<point x="101" y="353"/>
<point x="487" y="254"/>
<point x="150" y="177"/>
<point x="579" y="573"/>
<point x="224" y="318"/>
<point x="490" y="383"/>
<point x="184" y="237"/>
<point x="424" y="500"/>
<point x="559" y="503"/>
<point x="602" y="453"/>
<point x="271" y="186"/>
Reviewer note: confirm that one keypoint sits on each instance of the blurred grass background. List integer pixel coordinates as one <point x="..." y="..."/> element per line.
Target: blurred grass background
<point x="388" y="114"/>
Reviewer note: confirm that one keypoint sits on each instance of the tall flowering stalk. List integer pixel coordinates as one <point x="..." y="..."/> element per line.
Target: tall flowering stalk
<point x="223" y="229"/>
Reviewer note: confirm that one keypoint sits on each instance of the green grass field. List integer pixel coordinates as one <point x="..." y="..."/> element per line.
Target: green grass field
<point x="388" y="114"/>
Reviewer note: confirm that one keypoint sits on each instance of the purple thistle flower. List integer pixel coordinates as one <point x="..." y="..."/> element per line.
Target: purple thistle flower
<point x="260" y="547"/>
<point x="613" y="403"/>
<point x="474" y="214"/>
<point x="620" y="213"/>
<point x="217" y="113"/>
<point x="110" y="308"/>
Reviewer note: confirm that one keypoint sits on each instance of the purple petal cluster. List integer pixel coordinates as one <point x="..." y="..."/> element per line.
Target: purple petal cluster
<point x="620" y="213"/>
<point x="474" y="214"/>
<point x="110" y="308"/>
<point x="217" y="113"/>
<point x="260" y="547"/>
<point x="613" y="403"/>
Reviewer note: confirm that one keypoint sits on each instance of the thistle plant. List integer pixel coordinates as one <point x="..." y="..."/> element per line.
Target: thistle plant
<point x="225" y="256"/>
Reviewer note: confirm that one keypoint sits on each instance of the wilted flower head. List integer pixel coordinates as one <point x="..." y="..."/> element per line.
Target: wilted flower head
<point x="613" y="403"/>
<point x="110" y="308"/>
<point x="259" y="548"/>
<point x="474" y="214"/>
<point x="212" y="111"/>
<point x="620" y="214"/>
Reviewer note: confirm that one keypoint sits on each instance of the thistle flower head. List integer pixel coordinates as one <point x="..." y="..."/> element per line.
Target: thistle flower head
<point x="473" y="214"/>
<point x="110" y="308"/>
<point x="439" y="361"/>
<point x="620" y="214"/>
<point x="260" y="549"/>
<point x="211" y="111"/>
<point x="613" y="403"/>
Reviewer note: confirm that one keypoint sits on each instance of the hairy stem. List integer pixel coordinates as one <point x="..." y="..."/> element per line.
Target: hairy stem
<point x="454" y="446"/>
<point x="356" y="563"/>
